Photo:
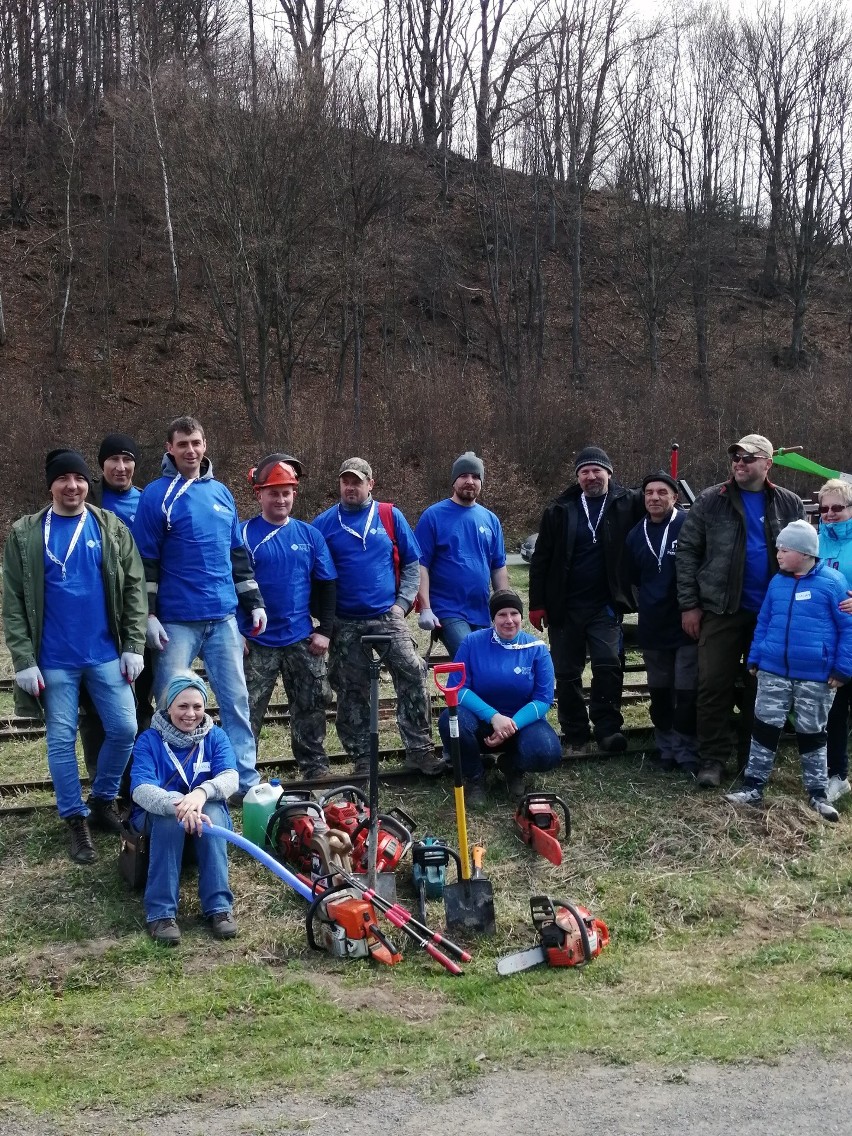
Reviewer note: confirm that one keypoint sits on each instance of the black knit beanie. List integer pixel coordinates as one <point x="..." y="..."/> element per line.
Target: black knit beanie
<point x="505" y="598"/>
<point x="58" y="462"/>
<point x="117" y="444"/>
<point x="468" y="462"/>
<point x="592" y="455"/>
<point x="660" y="475"/>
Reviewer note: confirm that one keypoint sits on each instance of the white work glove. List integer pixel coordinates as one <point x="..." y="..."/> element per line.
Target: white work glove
<point x="131" y="665"/>
<point x="427" y="620"/>
<point x="258" y="621"/>
<point x="155" y="636"/>
<point x="31" y="680"/>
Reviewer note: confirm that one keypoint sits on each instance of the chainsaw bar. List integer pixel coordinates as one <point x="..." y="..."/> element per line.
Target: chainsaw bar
<point x="521" y="960"/>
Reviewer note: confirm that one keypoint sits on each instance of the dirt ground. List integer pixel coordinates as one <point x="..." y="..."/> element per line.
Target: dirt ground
<point x="798" y="1094"/>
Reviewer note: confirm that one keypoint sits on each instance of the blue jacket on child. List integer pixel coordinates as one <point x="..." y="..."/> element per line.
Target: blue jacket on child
<point x="801" y="632"/>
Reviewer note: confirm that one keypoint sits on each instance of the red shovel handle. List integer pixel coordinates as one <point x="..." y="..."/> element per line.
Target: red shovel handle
<point x="450" y="693"/>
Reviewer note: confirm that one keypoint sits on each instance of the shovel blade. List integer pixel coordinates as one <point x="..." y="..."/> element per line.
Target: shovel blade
<point x="385" y="884"/>
<point x="469" y="906"/>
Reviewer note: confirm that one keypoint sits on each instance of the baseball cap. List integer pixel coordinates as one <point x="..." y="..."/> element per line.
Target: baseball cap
<point x="753" y="444"/>
<point x="357" y="466"/>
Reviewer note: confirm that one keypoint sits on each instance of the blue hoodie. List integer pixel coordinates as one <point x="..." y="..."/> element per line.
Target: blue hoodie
<point x="835" y="547"/>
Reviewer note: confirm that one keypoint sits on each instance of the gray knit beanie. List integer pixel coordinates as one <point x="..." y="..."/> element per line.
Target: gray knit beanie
<point x="799" y="536"/>
<point x="593" y="455"/>
<point x="468" y="462"/>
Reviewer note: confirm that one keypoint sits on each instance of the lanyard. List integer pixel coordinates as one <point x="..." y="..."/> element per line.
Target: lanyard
<point x="513" y="646"/>
<point x="594" y="531"/>
<point x="268" y="536"/>
<point x="360" y="536"/>
<point x="81" y="524"/>
<point x="167" y="513"/>
<point x="662" y="553"/>
<point x="198" y="766"/>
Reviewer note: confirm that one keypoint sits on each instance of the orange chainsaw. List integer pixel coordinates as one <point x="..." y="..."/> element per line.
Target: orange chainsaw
<point x="568" y="936"/>
<point x="537" y="823"/>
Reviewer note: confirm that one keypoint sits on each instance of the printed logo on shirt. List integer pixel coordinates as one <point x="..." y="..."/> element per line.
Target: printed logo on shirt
<point x="93" y="544"/>
<point x="523" y="670"/>
<point x="485" y="530"/>
<point x="803" y="595"/>
<point x="673" y="548"/>
<point x="300" y="548"/>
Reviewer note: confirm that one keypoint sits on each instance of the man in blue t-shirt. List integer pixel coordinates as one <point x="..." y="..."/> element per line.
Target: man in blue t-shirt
<point x="378" y="574"/>
<point x="115" y="491"/>
<point x="462" y="555"/>
<point x="724" y="563"/>
<point x="197" y="571"/>
<point x="74" y="613"/>
<point x="295" y="572"/>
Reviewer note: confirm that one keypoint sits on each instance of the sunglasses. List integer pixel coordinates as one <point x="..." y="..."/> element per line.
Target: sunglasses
<point x="833" y="508"/>
<point x="746" y="459"/>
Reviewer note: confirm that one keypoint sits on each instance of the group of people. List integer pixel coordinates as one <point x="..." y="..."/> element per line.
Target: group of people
<point x="110" y="588"/>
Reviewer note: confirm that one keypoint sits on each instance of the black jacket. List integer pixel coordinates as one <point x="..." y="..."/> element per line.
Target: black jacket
<point x="554" y="549"/>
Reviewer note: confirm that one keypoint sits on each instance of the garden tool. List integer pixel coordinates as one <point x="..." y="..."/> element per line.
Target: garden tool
<point x="376" y="648"/>
<point x="429" y="860"/>
<point x="568" y="936"/>
<point x="537" y="823"/>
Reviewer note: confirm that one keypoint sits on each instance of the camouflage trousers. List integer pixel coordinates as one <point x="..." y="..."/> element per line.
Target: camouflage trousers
<point x="349" y="674"/>
<point x="810" y="702"/>
<point x="305" y="678"/>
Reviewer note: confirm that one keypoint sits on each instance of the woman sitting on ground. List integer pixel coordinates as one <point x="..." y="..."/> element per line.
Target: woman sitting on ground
<point x="184" y="769"/>
<point x="508" y="691"/>
<point x="835" y="549"/>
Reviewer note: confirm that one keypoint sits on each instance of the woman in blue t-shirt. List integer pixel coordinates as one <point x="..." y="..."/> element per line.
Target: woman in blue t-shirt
<point x="184" y="769"/>
<point x="508" y="691"/>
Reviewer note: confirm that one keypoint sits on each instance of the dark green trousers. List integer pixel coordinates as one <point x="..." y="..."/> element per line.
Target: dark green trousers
<point x="723" y="684"/>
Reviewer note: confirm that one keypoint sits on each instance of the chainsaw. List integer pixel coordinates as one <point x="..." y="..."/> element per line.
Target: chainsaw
<point x="568" y="936"/>
<point x="289" y="834"/>
<point x="343" y="923"/>
<point x="347" y="809"/>
<point x="537" y="823"/>
<point x="429" y="860"/>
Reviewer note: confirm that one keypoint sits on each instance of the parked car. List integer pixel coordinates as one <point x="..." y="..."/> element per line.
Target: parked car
<point x="528" y="547"/>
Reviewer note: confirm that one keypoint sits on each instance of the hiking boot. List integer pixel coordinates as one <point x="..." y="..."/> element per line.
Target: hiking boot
<point x="104" y="815"/>
<point x="709" y="775"/>
<point x="574" y="749"/>
<point x="825" y="810"/>
<point x="514" y="778"/>
<point x="222" y="925"/>
<point x="165" y="932"/>
<point x="362" y="767"/>
<point x="752" y="797"/>
<point x="613" y="743"/>
<point x="81" y="849"/>
<point x="837" y="787"/>
<point x="425" y="761"/>
<point x="474" y="793"/>
<point x="315" y="772"/>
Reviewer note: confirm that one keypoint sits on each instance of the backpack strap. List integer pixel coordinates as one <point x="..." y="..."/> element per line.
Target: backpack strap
<point x="386" y="517"/>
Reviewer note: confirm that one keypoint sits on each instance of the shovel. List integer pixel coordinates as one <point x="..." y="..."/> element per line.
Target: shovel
<point x="469" y="903"/>
<point x="376" y="648"/>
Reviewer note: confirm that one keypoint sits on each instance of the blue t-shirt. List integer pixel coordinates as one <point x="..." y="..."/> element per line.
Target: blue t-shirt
<point x="286" y="558"/>
<point x="363" y="556"/>
<point x="76" y="630"/>
<point x="460" y="546"/>
<point x="192" y="544"/>
<point x="152" y="764"/>
<point x="756" y="572"/>
<point x="506" y="676"/>
<point x="124" y="505"/>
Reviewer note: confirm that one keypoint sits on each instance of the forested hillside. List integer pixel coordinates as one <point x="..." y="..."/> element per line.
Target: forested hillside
<point x="429" y="226"/>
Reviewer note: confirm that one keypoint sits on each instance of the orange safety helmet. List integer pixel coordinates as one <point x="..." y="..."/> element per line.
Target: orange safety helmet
<point x="277" y="469"/>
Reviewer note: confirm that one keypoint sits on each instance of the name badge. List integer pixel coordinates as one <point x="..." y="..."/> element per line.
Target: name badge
<point x="803" y="595"/>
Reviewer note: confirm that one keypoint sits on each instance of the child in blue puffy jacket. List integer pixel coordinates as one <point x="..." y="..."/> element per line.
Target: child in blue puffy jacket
<point x="801" y="653"/>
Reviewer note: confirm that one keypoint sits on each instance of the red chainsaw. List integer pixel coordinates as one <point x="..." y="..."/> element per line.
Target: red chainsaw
<point x="537" y="823"/>
<point x="347" y="809"/>
<point x="568" y="934"/>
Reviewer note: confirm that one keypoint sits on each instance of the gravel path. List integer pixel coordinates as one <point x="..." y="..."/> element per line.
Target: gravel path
<point x="800" y="1094"/>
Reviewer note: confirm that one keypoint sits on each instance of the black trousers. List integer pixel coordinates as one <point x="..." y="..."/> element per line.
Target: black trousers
<point x="596" y="634"/>
<point x="92" y="732"/>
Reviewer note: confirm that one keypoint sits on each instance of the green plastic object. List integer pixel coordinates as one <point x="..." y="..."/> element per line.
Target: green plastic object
<point x="258" y="806"/>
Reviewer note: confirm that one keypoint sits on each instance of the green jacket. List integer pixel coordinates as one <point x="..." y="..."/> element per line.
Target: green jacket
<point x="23" y="592"/>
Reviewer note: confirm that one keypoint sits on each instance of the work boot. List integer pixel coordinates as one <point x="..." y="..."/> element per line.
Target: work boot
<point x="81" y="848"/>
<point x="315" y="772"/>
<point x="165" y="932"/>
<point x="515" y="782"/>
<point x="362" y="767"/>
<point x="222" y="925"/>
<point x="474" y="793"/>
<point x="104" y="815"/>
<point x="573" y="748"/>
<point x="709" y="775"/>
<point x="613" y="743"/>
<point x="426" y="762"/>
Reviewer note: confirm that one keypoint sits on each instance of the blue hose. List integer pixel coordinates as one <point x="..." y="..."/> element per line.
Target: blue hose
<point x="263" y="857"/>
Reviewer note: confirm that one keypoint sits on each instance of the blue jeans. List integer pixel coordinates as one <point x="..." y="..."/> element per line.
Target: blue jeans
<point x="453" y="631"/>
<point x="113" y="699"/>
<point x="219" y="643"/>
<point x="163" y="887"/>
<point x="534" y="748"/>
